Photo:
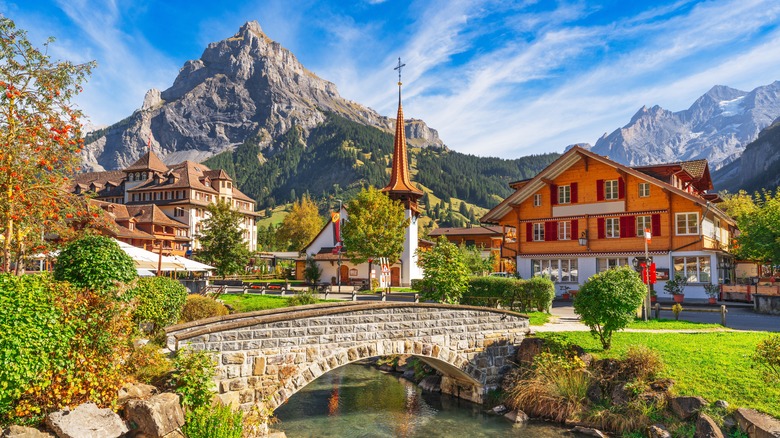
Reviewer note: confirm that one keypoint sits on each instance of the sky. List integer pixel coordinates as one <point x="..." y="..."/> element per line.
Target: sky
<point x="494" y="78"/>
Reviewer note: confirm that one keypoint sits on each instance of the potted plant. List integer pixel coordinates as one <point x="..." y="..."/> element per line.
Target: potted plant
<point x="565" y="292"/>
<point x="712" y="290"/>
<point x="676" y="287"/>
<point x="653" y="296"/>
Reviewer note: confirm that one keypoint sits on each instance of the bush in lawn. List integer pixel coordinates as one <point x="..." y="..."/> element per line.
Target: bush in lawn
<point x="489" y="291"/>
<point x="312" y="272"/>
<point x="445" y="275"/>
<point x="541" y="291"/>
<point x="767" y="355"/>
<point x="192" y="378"/>
<point x="302" y="299"/>
<point x="94" y="262"/>
<point x="216" y="421"/>
<point x="607" y="302"/>
<point x="159" y="301"/>
<point x="199" y="307"/>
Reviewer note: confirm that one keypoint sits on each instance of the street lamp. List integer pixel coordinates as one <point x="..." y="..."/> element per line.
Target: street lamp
<point x="338" y="273"/>
<point x="583" y="240"/>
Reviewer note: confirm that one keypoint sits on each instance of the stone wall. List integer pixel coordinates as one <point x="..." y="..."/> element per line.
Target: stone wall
<point x="270" y="356"/>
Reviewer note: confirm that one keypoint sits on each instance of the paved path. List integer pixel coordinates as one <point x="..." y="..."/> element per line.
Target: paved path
<point x="739" y="317"/>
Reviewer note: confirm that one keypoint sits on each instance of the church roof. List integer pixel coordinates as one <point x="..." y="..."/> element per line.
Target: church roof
<point x="399" y="177"/>
<point x="148" y="161"/>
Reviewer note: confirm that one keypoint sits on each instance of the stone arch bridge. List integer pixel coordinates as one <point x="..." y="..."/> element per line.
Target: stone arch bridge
<point x="269" y="355"/>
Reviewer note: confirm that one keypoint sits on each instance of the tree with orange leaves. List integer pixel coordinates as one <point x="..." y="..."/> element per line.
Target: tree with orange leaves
<point x="40" y="141"/>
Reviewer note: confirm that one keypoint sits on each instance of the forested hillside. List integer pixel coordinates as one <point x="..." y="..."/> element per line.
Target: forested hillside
<point x="340" y="156"/>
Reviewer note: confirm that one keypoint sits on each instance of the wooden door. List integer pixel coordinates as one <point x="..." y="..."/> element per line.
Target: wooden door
<point x="395" y="276"/>
<point x="344" y="274"/>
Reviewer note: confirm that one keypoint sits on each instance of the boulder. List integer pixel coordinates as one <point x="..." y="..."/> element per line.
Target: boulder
<point x="619" y="395"/>
<point x="134" y="390"/>
<point x="595" y="393"/>
<point x="721" y="404"/>
<point x="707" y="428"/>
<point x="430" y="383"/>
<point x="500" y="410"/>
<point x="528" y="349"/>
<point x="757" y="424"/>
<point x="158" y="416"/>
<point x="686" y="407"/>
<point x="517" y="416"/>
<point x="662" y="385"/>
<point x="86" y="420"/>
<point x="24" y="432"/>
<point x="658" y="431"/>
<point x="409" y="375"/>
<point x="589" y="431"/>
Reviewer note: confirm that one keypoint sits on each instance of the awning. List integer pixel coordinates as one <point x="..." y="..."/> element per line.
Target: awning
<point x="192" y="265"/>
<point x="148" y="260"/>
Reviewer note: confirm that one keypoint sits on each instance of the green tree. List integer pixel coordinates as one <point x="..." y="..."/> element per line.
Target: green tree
<point x="475" y="263"/>
<point x="607" y="302"/>
<point x="222" y="242"/>
<point x="445" y="274"/>
<point x="41" y="139"/>
<point x="94" y="262"/>
<point x="758" y="219"/>
<point x="300" y="226"/>
<point x="312" y="272"/>
<point x="376" y="227"/>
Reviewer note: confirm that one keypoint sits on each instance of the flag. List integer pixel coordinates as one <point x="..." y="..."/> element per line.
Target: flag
<point x="648" y="235"/>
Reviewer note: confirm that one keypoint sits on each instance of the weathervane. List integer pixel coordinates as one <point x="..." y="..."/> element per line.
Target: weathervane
<point x="399" y="70"/>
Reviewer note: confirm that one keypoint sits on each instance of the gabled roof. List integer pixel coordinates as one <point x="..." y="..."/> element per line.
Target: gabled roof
<point x="472" y="231"/>
<point x="695" y="171"/>
<point x="564" y="162"/>
<point x="150" y="213"/>
<point x="149" y="161"/>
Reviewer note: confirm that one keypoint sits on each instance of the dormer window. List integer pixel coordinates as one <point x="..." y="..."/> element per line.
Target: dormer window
<point x="143" y="176"/>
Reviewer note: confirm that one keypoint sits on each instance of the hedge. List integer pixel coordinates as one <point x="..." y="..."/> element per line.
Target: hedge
<point x="536" y="293"/>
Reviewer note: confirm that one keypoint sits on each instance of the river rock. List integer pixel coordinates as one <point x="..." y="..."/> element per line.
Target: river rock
<point x="658" y="431"/>
<point x="686" y="407"/>
<point x="24" y="432"/>
<point x="528" y="349"/>
<point x="707" y="428"/>
<point x="158" y="416"/>
<point x="409" y="375"/>
<point x="134" y="390"/>
<point x="757" y="424"/>
<point x="619" y="395"/>
<point x="721" y="404"/>
<point x="517" y="416"/>
<point x="86" y="420"/>
<point x="500" y="410"/>
<point x="430" y="383"/>
<point x="385" y="367"/>
<point x="594" y="392"/>
<point x="589" y="431"/>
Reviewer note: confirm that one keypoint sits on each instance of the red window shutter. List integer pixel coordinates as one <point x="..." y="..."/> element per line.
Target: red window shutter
<point x="656" y="224"/>
<point x="553" y="194"/>
<point x="623" y="227"/>
<point x="575" y="232"/>
<point x="553" y="230"/>
<point x="600" y="190"/>
<point x="600" y="224"/>
<point x="529" y="232"/>
<point x="574" y="193"/>
<point x="621" y="188"/>
<point x="627" y="226"/>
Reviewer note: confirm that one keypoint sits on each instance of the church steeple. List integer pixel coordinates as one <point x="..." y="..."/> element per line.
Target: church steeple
<point x="400" y="186"/>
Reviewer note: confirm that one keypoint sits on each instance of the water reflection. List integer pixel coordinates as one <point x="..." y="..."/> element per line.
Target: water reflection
<point x="359" y="401"/>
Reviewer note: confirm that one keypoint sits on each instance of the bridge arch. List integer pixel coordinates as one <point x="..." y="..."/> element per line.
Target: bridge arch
<point x="270" y="355"/>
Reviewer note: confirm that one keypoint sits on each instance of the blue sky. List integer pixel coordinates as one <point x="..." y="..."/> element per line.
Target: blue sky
<point x="497" y="78"/>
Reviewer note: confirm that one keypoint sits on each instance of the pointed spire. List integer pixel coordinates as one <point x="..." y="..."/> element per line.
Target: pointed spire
<point x="400" y="186"/>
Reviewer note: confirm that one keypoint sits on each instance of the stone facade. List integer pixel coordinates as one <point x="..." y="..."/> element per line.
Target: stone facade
<point x="268" y="356"/>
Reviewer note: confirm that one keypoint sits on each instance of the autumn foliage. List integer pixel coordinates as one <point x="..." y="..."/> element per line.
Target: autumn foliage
<point x="40" y="139"/>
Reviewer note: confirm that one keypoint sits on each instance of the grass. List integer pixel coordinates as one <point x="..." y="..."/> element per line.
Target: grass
<point x="538" y="318"/>
<point x="713" y="365"/>
<point x="251" y="302"/>
<point x="671" y="324"/>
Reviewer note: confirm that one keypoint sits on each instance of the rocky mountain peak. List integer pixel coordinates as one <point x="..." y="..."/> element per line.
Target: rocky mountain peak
<point x="245" y="86"/>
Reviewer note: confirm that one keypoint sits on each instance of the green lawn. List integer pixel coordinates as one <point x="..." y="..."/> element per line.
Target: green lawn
<point x="713" y="365"/>
<point x="251" y="303"/>
<point x="538" y="318"/>
<point x="671" y="324"/>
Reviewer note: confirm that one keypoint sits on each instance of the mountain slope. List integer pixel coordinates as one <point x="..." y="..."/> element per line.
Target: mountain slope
<point x="717" y="127"/>
<point x="246" y="86"/>
<point x="758" y="167"/>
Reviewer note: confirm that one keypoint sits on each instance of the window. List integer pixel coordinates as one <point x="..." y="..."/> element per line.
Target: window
<point x="609" y="263"/>
<point x="687" y="223"/>
<point x="469" y="243"/>
<point x="611" y="189"/>
<point x="717" y="229"/>
<point x="644" y="190"/>
<point x="564" y="194"/>
<point x="695" y="269"/>
<point x="537" y="200"/>
<point x="538" y="232"/>
<point x="558" y="270"/>
<point x="612" y="227"/>
<point x="564" y="230"/>
<point x="642" y="223"/>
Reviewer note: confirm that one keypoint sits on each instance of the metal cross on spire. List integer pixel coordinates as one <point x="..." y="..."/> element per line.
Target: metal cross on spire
<point x="399" y="70"/>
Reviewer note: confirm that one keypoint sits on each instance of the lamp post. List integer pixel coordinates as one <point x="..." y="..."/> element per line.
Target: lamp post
<point x="583" y="240"/>
<point x="338" y="273"/>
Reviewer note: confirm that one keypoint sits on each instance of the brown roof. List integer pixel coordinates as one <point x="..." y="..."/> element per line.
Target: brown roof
<point x="149" y="161"/>
<point x="473" y="231"/>
<point x="399" y="176"/>
<point x="150" y="213"/>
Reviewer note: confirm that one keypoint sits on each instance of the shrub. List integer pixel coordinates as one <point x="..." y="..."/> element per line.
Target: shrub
<point x="149" y="365"/>
<point x="94" y="262"/>
<point x="159" y="301"/>
<point x="192" y="378"/>
<point x="541" y="291"/>
<point x="199" y="307"/>
<point x="676" y="285"/>
<point x="445" y="273"/>
<point x="312" y="272"/>
<point x="642" y="363"/>
<point x="489" y="291"/>
<point x="608" y="300"/>
<point x="767" y="356"/>
<point x="217" y="421"/>
<point x="301" y="299"/>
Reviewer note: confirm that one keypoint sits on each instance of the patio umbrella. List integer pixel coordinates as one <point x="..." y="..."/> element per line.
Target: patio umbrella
<point x="149" y="260"/>
<point x="192" y="265"/>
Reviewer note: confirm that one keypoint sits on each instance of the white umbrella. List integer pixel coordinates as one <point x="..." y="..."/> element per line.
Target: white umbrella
<point x="192" y="265"/>
<point x="148" y="260"/>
